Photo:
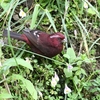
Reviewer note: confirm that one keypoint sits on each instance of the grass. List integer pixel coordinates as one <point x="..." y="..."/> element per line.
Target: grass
<point x="27" y="75"/>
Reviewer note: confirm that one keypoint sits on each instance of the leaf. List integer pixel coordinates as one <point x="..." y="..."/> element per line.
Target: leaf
<point x="79" y="62"/>
<point x="4" y="5"/>
<point x="83" y="71"/>
<point x="31" y="89"/>
<point x="67" y="72"/>
<point x="75" y="68"/>
<point x="28" y="85"/>
<point x="5" y="96"/>
<point x="80" y="71"/>
<point x="91" y="11"/>
<point x="98" y="2"/>
<point x="70" y="55"/>
<point x="76" y="80"/>
<point x="17" y="61"/>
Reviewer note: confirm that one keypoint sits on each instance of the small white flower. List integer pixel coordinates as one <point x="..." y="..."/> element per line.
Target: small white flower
<point x="53" y="82"/>
<point x="85" y="5"/>
<point x="67" y="89"/>
<point x="22" y="13"/>
<point x="70" y="67"/>
<point x="56" y="77"/>
<point x="28" y="60"/>
<point x="40" y="94"/>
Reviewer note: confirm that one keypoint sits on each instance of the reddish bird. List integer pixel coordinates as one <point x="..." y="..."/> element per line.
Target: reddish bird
<point x="40" y="42"/>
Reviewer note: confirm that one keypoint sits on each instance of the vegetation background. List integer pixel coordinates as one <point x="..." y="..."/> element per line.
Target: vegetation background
<point x="75" y="73"/>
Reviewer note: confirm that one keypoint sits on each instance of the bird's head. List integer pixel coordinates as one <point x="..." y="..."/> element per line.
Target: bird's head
<point x="57" y="38"/>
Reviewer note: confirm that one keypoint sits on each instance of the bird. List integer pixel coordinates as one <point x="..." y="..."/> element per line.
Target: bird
<point x="40" y="42"/>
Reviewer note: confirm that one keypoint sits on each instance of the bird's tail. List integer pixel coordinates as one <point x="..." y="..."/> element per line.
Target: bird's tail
<point x="13" y="35"/>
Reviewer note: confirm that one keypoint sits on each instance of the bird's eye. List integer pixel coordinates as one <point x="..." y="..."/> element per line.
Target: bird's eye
<point x="36" y="33"/>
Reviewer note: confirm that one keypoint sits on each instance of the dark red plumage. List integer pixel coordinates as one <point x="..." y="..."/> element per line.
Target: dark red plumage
<point x="40" y="42"/>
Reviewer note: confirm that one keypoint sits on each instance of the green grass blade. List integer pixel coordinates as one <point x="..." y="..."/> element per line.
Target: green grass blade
<point x="51" y="20"/>
<point x="34" y="16"/>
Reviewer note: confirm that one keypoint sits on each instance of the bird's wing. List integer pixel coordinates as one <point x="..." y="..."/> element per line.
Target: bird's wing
<point x="32" y="36"/>
<point x="39" y="43"/>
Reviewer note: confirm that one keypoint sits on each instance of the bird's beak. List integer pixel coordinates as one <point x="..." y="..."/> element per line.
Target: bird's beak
<point x="64" y="41"/>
